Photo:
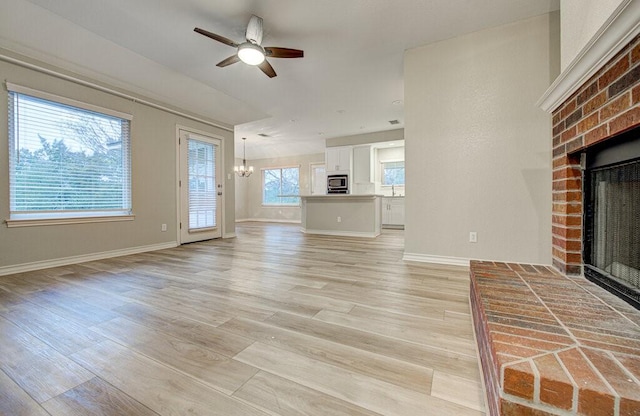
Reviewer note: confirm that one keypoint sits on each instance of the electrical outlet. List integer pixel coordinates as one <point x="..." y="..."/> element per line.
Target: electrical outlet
<point x="339" y="219"/>
<point x="163" y="227"/>
<point x="473" y="237"/>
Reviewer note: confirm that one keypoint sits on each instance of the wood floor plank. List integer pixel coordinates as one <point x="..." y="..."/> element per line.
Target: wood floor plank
<point x="182" y="306"/>
<point x="283" y="397"/>
<point x="95" y="397"/>
<point x="220" y="372"/>
<point x="461" y="328"/>
<point x="424" y="355"/>
<point x="418" y="333"/>
<point x="35" y="366"/>
<point x="71" y="308"/>
<point x="448" y="387"/>
<point x="222" y="342"/>
<point x="391" y="370"/>
<point x="160" y="388"/>
<point x="363" y="391"/>
<point x="63" y="335"/>
<point x="14" y="401"/>
<point x="380" y="301"/>
<point x="8" y="299"/>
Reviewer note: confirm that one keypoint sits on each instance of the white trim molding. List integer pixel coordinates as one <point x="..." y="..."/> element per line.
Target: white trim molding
<point x="341" y="233"/>
<point x="36" y="222"/>
<point x="425" y="258"/>
<point x="615" y="34"/>
<point x="268" y="220"/>
<point x="45" y="264"/>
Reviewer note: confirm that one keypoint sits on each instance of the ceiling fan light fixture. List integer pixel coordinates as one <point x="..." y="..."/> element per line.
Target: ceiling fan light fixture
<point x="251" y="54"/>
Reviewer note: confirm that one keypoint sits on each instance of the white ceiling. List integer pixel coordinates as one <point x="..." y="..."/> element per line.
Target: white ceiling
<point x="347" y="83"/>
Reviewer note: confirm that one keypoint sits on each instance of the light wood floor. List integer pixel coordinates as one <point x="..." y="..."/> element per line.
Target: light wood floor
<point x="273" y="322"/>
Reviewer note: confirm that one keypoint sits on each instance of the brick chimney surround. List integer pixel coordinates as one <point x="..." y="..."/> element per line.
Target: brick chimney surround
<point x="551" y="342"/>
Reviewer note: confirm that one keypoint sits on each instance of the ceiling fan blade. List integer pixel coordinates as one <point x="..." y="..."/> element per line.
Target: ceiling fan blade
<point x="274" y="52"/>
<point x="213" y="36"/>
<point x="254" y="30"/>
<point x="267" y="69"/>
<point x="230" y="60"/>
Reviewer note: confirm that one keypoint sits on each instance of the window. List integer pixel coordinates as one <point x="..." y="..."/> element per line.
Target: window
<point x="66" y="159"/>
<point x="202" y="184"/>
<point x="281" y="186"/>
<point x="393" y="173"/>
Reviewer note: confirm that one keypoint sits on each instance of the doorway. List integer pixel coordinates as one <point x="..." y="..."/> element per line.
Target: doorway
<point x="318" y="179"/>
<point x="200" y="187"/>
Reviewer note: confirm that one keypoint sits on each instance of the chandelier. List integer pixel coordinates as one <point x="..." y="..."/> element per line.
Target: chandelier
<point x="243" y="170"/>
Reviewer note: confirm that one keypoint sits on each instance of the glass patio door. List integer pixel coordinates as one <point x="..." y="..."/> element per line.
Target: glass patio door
<point x="200" y="188"/>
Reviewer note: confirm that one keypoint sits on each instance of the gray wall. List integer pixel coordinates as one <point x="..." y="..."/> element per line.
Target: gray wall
<point x="478" y="150"/>
<point x="581" y="19"/>
<point x="154" y="192"/>
<point x="249" y="190"/>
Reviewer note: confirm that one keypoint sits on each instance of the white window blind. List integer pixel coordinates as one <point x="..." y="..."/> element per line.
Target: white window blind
<point x="393" y="173"/>
<point x="66" y="161"/>
<point x="202" y="185"/>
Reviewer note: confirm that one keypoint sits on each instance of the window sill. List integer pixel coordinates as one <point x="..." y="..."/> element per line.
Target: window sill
<point x="37" y="222"/>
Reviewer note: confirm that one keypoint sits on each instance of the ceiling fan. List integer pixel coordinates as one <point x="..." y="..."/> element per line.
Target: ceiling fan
<point x="251" y="51"/>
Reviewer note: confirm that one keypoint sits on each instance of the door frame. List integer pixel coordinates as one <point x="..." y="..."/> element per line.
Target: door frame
<point x="181" y="128"/>
<point x="311" y="176"/>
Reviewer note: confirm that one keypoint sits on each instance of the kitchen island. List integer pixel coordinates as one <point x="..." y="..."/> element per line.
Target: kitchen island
<point x="342" y="215"/>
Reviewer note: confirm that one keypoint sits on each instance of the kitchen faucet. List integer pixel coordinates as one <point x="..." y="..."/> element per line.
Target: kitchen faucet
<point x="393" y="190"/>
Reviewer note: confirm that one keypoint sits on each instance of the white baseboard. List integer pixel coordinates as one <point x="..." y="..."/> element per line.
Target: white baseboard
<point x="229" y="235"/>
<point x="268" y="220"/>
<point x="45" y="264"/>
<point x="341" y="233"/>
<point x="424" y="258"/>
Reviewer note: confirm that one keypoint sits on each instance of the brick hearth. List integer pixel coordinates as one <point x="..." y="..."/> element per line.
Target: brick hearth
<point x="552" y="344"/>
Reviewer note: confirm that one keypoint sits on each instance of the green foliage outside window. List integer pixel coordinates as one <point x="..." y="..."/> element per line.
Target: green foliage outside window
<point x="279" y="185"/>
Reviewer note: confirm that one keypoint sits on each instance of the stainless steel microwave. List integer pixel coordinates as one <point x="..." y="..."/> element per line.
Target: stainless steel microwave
<point x="338" y="184"/>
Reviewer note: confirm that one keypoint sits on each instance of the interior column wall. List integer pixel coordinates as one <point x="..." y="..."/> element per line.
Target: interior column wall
<point x="478" y="154"/>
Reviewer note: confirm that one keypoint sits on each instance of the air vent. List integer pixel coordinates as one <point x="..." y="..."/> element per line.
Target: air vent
<point x="392" y="122"/>
<point x="263" y="135"/>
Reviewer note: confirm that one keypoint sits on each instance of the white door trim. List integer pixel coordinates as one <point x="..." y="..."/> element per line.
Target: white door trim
<point x="181" y="128"/>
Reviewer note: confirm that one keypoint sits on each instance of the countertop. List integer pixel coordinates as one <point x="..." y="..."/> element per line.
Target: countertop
<point x="343" y="196"/>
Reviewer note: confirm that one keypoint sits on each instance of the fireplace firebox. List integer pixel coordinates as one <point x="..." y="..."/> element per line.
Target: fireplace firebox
<point x="611" y="246"/>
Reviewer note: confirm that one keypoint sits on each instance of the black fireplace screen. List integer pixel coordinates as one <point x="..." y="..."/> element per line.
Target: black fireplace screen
<point x="612" y="243"/>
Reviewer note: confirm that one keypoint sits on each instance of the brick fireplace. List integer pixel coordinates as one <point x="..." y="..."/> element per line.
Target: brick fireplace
<point x="605" y="106"/>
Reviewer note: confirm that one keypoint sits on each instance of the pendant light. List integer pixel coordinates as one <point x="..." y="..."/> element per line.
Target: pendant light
<point x="243" y="170"/>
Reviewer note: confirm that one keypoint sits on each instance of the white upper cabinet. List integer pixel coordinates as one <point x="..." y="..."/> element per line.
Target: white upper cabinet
<point x="339" y="159"/>
<point x="362" y="164"/>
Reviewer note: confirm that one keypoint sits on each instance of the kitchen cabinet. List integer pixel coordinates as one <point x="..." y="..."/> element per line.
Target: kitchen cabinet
<point x="339" y="159"/>
<point x="393" y="212"/>
<point x="362" y="164"/>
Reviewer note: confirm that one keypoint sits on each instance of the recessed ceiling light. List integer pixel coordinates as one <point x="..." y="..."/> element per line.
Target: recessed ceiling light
<point x="396" y="102"/>
<point x="293" y="120"/>
<point x="263" y="135"/>
<point x="340" y="111"/>
<point x="321" y="134"/>
<point x="393" y="122"/>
